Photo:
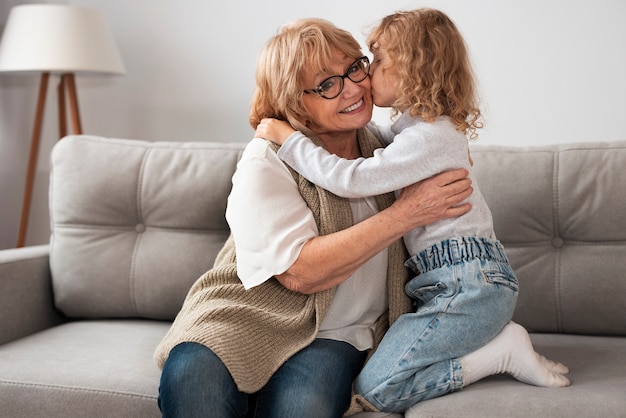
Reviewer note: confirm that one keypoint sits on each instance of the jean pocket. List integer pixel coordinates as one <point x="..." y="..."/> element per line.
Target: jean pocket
<point x="498" y="277"/>
<point x="427" y="293"/>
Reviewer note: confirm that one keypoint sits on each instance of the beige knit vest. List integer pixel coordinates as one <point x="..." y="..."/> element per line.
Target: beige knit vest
<point x="255" y="331"/>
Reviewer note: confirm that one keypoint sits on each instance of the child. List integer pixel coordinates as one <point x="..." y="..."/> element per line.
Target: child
<point x="465" y="290"/>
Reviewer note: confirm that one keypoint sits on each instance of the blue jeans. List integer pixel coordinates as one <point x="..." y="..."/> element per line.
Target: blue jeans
<point x="316" y="382"/>
<point x="465" y="293"/>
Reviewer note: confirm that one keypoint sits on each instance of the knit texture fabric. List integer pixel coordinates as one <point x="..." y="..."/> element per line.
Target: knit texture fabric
<point x="255" y="331"/>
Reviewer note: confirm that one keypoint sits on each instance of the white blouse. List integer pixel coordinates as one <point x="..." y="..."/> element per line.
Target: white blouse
<point x="271" y="223"/>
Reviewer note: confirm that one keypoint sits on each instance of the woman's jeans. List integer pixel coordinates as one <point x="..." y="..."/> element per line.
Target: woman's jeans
<point x="316" y="382"/>
<point x="466" y="292"/>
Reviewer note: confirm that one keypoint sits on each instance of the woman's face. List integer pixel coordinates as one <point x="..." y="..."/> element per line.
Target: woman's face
<point x="384" y="78"/>
<point x="349" y="111"/>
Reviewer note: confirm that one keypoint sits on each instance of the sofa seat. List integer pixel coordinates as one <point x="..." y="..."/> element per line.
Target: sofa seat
<point x="113" y="365"/>
<point x="597" y="365"/>
<point x="83" y="368"/>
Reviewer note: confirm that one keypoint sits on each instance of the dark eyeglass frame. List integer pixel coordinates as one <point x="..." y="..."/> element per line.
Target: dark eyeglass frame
<point x="320" y="90"/>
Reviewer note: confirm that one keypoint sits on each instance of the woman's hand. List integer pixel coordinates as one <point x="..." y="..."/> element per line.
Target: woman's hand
<point x="436" y="198"/>
<point x="274" y="130"/>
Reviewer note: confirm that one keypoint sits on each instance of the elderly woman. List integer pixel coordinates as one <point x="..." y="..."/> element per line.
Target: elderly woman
<point x="308" y="282"/>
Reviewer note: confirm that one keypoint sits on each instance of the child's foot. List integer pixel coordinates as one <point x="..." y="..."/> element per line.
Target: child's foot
<point x="512" y="352"/>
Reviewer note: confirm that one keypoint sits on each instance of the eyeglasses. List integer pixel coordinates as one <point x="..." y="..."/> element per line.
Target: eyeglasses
<point x="333" y="86"/>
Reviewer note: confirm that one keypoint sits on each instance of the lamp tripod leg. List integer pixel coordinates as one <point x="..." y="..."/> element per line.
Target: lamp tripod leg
<point x="32" y="160"/>
<point x="70" y="84"/>
<point x="61" y="107"/>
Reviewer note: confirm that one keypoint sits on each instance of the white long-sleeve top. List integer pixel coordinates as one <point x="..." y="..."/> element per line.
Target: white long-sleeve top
<point x="271" y="223"/>
<point x="415" y="150"/>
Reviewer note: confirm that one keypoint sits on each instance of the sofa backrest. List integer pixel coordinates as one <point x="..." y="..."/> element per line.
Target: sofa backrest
<point x="560" y="211"/>
<point x="135" y="223"/>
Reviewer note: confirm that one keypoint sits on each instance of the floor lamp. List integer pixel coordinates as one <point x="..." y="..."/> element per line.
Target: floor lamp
<point x="62" y="40"/>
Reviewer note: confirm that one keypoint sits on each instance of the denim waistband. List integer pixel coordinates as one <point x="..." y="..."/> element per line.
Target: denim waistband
<point x="456" y="250"/>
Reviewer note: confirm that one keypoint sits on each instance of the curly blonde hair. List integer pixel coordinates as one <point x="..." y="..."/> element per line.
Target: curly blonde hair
<point x="300" y="47"/>
<point x="432" y="63"/>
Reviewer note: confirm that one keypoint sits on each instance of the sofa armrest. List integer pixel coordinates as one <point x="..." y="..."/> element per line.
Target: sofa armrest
<point x="26" y="301"/>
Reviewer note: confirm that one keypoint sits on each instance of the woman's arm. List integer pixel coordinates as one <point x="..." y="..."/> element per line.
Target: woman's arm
<point x="326" y="261"/>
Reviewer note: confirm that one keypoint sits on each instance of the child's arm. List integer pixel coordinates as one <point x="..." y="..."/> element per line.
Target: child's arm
<point x="274" y="130"/>
<point x="411" y="157"/>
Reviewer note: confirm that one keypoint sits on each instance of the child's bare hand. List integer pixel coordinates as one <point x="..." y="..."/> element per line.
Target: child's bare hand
<point x="274" y="130"/>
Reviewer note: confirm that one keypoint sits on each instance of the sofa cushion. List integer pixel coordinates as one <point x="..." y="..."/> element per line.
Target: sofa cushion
<point x="558" y="210"/>
<point x="94" y="368"/>
<point x="135" y="223"/>
<point x="596" y="365"/>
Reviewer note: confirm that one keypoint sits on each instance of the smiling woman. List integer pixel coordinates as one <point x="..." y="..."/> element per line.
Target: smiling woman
<point x="301" y="291"/>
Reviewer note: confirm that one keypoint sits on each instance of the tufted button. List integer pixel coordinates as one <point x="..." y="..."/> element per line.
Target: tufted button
<point x="557" y="242"/>
<point x="140" y="228"/>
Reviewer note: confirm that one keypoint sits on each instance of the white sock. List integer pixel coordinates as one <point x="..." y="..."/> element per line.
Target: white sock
<point x="512" y="352"/>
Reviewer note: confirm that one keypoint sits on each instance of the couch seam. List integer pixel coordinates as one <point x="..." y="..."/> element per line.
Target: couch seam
<point x="139" y="235"/>
<point x="557" y="233"/>
<point x="164" y="144"/>
<point x="131" y="228"/>
<point x="76" y="389"/>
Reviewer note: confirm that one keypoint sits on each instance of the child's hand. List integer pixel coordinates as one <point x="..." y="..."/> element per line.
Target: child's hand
<point x="274" y="130"/>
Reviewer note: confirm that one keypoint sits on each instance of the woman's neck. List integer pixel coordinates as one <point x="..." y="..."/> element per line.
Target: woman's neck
<point x="343" y="144"/>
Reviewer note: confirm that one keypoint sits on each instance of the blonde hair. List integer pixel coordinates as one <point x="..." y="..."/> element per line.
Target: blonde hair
<point x="431" y="61"/>
<point x="301" y="47"/>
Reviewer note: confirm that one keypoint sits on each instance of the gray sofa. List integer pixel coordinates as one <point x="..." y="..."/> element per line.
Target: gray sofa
<point x="134" y="224"/>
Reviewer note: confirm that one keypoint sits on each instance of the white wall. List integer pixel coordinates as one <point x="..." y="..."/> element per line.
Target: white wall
<point x="550" y="71"/>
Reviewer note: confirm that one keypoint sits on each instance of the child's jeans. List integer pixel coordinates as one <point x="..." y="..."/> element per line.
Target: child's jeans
<point x="466" y="293"/>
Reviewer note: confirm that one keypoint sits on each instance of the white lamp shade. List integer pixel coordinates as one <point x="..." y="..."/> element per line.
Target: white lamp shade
<point x="58" y="38"/>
